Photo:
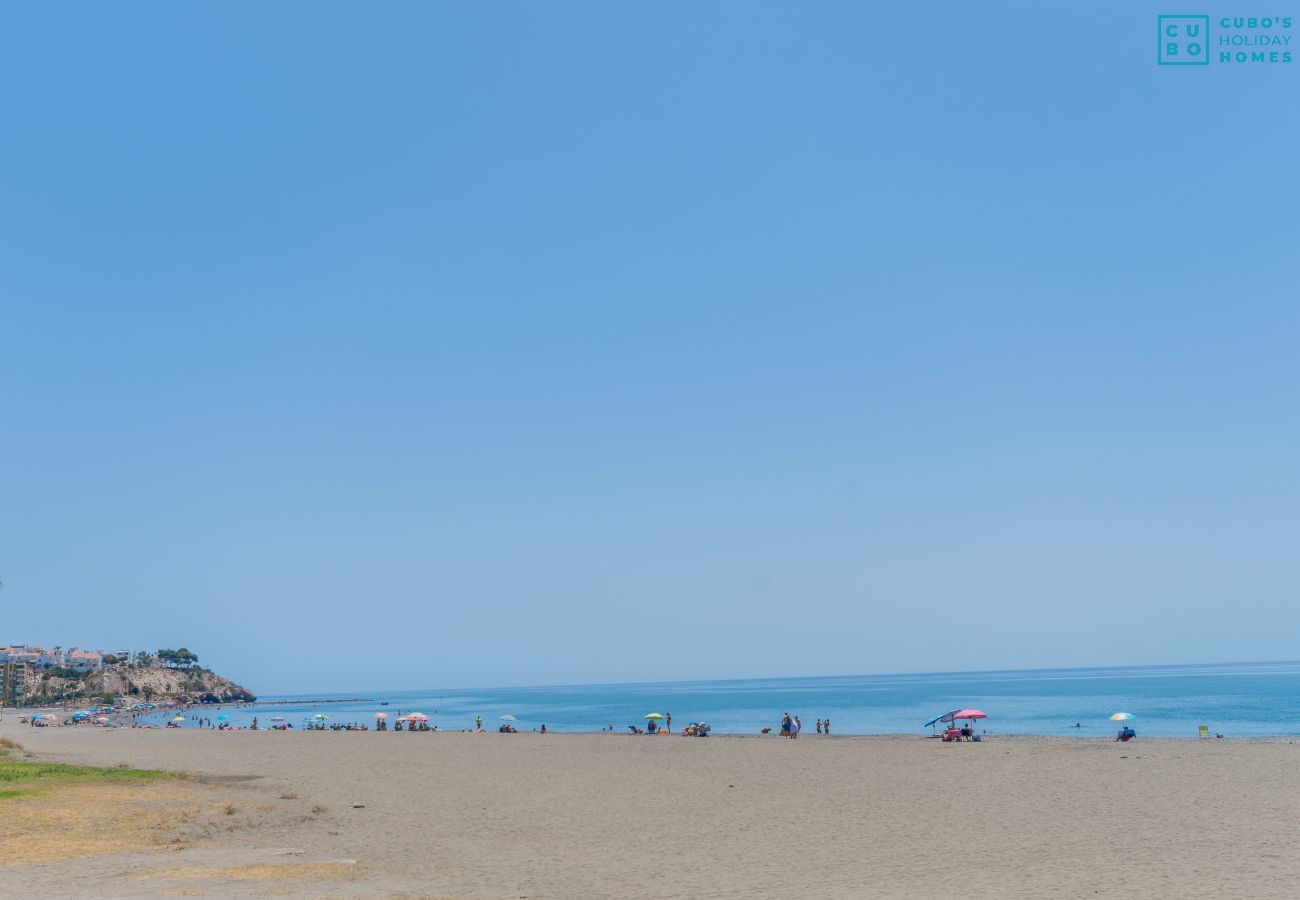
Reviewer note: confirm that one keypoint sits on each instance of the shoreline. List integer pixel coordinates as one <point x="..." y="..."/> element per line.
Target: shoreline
<point x="123" y="720"/>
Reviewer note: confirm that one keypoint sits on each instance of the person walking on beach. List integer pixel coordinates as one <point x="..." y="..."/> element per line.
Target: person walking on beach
<point x="819" y="726"/>
<point x="798" y="727"/>
<point x="826" y="726"/>
<point x="785" y="725"/>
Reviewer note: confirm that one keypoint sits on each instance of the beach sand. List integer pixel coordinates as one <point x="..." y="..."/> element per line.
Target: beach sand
<point x="573" y="816"/>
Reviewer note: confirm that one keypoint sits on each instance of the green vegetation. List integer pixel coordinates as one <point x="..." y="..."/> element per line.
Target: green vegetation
<point x="13" y="772"/>
<point x="65" y="672"/>
<point x="179" y="659"/>
<point x="20" y="779"/>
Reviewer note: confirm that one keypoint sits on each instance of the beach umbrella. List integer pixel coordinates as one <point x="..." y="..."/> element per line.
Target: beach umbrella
<point x="381" y="715"/>
<point x="179" y="719"/>
<point x="414" y="717"/>
<point x="945" y="717"/>
<point x="507" y="718"/>
<point x="1121" y="717"/>
<point x="652" y="716"/>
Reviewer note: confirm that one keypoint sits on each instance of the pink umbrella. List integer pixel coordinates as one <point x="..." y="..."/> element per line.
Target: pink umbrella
<point x="969" y="714"/>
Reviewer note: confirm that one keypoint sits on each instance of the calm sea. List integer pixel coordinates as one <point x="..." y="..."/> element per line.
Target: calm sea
<point x="1241" y="700"/>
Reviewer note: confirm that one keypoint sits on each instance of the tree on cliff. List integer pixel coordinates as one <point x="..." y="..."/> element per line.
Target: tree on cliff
<point x="179" y="659"/>
<point x="144" y="658"/>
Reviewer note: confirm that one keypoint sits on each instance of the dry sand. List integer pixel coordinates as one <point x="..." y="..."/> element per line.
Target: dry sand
<point x="572" y="816"/>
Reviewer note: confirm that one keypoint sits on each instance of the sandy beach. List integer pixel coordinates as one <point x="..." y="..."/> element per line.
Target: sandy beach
<point x="564" y="816"/>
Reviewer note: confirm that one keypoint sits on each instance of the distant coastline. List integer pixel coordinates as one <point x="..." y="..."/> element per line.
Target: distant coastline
<point x="273" y="701"/>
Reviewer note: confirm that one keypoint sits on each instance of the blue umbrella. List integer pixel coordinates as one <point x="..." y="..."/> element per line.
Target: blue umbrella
<point x="945" y="717"/>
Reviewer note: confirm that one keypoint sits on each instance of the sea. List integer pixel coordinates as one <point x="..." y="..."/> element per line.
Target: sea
<point x="1238" y="700"/>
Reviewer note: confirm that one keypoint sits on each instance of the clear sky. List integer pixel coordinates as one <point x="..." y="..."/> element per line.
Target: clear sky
<point x="417" y="344"/>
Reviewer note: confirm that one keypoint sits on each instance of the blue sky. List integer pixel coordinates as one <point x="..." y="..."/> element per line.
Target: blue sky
<point x="426" y="344"/>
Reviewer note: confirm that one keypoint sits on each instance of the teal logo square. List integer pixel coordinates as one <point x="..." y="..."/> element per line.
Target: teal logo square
<point x="1183" y="40"/>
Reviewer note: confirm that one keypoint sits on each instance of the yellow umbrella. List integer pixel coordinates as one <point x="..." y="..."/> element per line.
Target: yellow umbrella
<point x="653" y="716"/>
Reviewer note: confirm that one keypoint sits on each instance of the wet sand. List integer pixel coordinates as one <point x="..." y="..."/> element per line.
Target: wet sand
<point x="571" y="816"/>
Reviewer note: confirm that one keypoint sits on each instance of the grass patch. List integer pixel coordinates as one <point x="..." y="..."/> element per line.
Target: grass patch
<point x="264" y="872"/>
<point x="33" y="774"/>
<point x="11" y="795"/>
<point x="75" y="817"/>
<point x="7" y="744"/>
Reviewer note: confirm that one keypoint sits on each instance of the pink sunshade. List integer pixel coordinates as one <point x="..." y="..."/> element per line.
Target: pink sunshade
<point x="968" y="714"/>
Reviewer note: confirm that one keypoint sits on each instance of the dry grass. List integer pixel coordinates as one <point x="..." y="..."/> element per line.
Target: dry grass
<point x="262" y="872"/>
<point x="9" y="744"/>
<point x="83" y="818"/>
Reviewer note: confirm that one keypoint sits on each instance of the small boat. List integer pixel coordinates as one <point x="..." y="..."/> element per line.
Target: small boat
<point x="383" y="702"/>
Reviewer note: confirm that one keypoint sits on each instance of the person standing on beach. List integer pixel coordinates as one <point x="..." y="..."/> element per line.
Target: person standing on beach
<point x="478" y="723"/>
<point x="798" y="726"/>
<point x="668" y="721"/>
<point x="785" y="725"/>
<point x="819" y="726"/>
<point x="826" y="726"/>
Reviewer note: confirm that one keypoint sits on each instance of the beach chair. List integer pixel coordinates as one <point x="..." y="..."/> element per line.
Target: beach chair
<point x="1204" y="731"/>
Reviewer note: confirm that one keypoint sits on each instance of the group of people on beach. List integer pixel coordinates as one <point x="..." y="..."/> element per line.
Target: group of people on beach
<point x="791" y="726"/>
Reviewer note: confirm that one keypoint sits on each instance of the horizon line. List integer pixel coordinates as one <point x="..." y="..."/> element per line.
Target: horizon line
<point x="1030" y="670"/>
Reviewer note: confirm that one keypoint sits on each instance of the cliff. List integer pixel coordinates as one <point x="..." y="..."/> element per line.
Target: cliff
<point x="152" y="683"/>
